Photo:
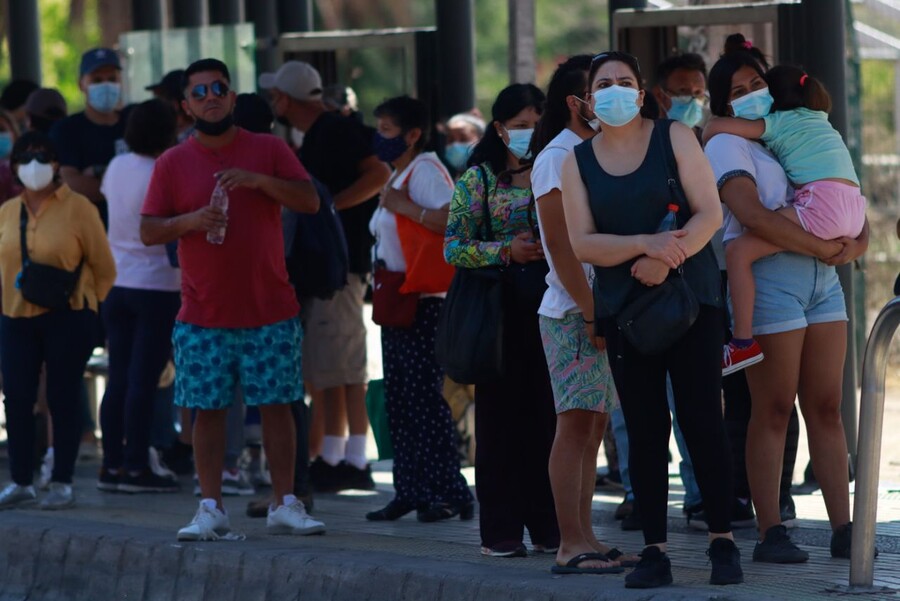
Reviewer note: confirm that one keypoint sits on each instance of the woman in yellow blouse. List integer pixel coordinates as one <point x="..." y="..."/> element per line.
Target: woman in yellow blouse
<point x="62" y="230"/>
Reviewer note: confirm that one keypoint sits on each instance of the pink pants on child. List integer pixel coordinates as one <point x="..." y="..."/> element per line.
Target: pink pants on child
<point x="830" y="210"/>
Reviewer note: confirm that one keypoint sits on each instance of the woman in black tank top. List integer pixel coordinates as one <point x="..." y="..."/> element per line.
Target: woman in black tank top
<point x="615" y="194"/>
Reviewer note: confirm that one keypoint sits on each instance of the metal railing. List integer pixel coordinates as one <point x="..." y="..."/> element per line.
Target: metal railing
<point x="871" y="420"/>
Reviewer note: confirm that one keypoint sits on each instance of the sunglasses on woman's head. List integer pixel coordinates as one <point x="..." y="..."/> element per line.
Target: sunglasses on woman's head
<point x="40" y="156"/>
<point x="615" y="55"/>
<point x="219" y="89"/>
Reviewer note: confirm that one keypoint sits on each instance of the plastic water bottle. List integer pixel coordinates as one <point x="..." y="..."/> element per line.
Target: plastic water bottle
<point x="670" y="221"/>
<point x="219" y="199"/>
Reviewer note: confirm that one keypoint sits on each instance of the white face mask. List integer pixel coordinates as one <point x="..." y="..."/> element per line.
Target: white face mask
<point x="297" y="137"/>
<point x="36" y="176"/>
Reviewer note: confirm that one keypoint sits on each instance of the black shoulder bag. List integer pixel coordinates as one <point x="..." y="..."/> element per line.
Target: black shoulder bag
<point x="469" y="338"/>
<point x="44" y="285"/>
<point x="656" y="319"/>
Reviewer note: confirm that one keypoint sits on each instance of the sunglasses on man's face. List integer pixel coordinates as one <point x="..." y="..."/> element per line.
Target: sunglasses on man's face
<point x="219" y="89"/>
<point x="34" y="155"/>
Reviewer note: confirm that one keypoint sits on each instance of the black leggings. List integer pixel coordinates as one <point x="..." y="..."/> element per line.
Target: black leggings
<point x="695" y="366"/>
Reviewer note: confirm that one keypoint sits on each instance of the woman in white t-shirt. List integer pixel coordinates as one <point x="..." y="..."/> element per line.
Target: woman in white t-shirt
<point x="583" y="388"/>
<point x="408" y="227"/>
<point x="799" y="317"/>
<point x="139" y="312"/>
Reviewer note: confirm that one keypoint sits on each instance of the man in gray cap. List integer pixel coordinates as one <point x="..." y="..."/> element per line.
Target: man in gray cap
<point x="87" y="141"/>
<point x="338" y="152"/>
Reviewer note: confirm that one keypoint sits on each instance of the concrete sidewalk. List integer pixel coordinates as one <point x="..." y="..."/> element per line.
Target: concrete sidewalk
<point x="115" y="546"/>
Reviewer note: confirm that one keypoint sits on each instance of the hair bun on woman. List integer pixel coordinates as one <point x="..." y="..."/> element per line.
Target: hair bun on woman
<point x="736" y="42"/>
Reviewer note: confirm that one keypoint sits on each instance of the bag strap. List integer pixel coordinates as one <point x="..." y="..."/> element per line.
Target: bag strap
<point x="675" y="189"/>
<point x="23" y="227"/>
<point x="486" y="210"/>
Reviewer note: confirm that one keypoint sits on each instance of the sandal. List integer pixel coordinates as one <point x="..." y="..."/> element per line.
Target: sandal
<point x="614" y="555"/>
<point x="573" y="566"/>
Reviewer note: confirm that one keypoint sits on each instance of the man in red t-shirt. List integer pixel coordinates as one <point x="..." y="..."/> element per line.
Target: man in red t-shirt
<point x="238" y="321"/>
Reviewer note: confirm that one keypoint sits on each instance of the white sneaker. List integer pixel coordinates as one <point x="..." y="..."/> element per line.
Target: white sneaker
<point x="46" y="470"/>
<point x="157" y="466"/>
<point x="291" y="518"/>
<point x="17" y="496"/>
<point x="59" y="497"/>
<point x="209" y="523"/>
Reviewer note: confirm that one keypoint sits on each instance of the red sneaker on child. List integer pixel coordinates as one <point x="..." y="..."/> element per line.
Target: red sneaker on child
<point x="736" y="358"/>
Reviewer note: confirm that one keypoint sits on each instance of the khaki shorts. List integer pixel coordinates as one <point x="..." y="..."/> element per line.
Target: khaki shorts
<point x="334" y="341"/>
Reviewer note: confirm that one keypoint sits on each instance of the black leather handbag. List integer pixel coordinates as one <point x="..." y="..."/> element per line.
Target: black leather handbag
<point x="44" y="285"/>
<point x="662" y="314"/>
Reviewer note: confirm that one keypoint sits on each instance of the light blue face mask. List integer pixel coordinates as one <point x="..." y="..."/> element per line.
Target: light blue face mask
<point x="754" y="105"/>
<point x="104" y="97"/>
<point x="616" y="105"/>
<point x="519" y="140"/>
<point x="457" y="154"/>
<point x="687" y="109"/>
<point x="6" y="144"/>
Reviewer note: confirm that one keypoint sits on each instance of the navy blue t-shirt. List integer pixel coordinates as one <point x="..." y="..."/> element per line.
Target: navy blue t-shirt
<point x="80" y="143"/>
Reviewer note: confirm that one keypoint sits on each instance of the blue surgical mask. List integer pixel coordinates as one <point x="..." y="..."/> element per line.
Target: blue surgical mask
<point x="104" y="97"/>
<point x="6" y="144"/>
<point x="457" y="154"/>
<point x="519" y="140"/>
<point x="687" y="109"/>
<point x="754" y="105"/>
<point x="616" y="105"/>
<point x="389" y="150"/>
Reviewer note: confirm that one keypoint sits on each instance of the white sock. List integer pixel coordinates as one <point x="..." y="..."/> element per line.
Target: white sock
<point x="211" y="504"/>
<point x="333" y="449"/>
<point x="356" y="451"/>
<point x="288" y="500"/>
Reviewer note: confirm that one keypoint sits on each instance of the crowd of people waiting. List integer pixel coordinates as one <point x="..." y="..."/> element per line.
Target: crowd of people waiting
<point x="174" y="229"/>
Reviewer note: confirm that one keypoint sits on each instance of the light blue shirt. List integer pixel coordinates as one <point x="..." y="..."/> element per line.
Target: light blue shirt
<point x="807" y="146"/>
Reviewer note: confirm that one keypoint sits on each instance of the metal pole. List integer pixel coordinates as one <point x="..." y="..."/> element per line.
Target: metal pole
<point x="825" y="59"/>
<point x="295" y="15"/>
<point x="24" y="32"/>
<point x="146" y="14"/>
<point x="226" y="12"/>
<point x="264" y="15"/>
<point x="190" y="13"/>
<point x="871" y="420"/>
<point x="615" y="5"/>
<point x="522" y="59"/>
<point x="456" y="52"/>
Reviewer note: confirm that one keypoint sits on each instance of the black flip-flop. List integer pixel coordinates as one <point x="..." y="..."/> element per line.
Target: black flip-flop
<point x="572" y="566"/>
<point x="614" y="555"/>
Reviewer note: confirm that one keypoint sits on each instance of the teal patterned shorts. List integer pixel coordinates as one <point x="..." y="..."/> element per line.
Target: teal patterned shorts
<point x="579" y="373"/>
<point x="210" y="362"/>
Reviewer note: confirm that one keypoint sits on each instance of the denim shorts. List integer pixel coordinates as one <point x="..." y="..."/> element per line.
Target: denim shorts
<point x="210" y="362"/>
<point x="795" y="291"/>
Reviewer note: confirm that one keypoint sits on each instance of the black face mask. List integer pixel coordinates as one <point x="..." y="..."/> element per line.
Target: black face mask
<point x="214" y="128"/>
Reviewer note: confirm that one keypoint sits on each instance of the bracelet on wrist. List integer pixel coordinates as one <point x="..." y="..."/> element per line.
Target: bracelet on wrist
<point x="422" y="216"/>
<point x="587" y="320"/>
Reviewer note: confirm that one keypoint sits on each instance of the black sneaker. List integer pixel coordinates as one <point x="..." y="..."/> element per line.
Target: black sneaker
<point x="632" y="521"/>
<point x="324" y="477"/>
<point x="725" y="558"/>
<point x="353" y="477"/>
<point x="788" y="511"/>
<point x="742" y="515"/>
<point x="108" y="481"/>
<point x="777" y="547"/>
<point x="652" y="571"/>
<point x="840" y="542"/>
<point x="147" y="481"/>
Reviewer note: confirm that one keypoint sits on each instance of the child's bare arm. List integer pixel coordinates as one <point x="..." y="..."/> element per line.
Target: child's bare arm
<point x="745" y="128"/>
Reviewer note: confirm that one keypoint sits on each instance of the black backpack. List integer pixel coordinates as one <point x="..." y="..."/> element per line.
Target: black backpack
<point x="316" y="249"/>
